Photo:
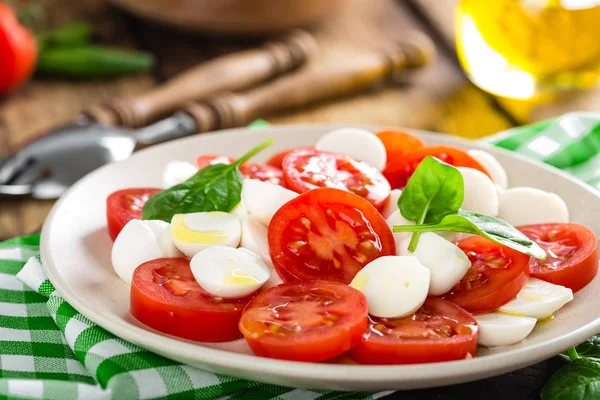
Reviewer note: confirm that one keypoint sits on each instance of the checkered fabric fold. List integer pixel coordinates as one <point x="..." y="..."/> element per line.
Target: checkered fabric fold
<point x="50" y="351"/>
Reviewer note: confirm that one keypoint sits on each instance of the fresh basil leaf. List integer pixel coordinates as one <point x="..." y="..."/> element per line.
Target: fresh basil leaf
<point x="435" y="190"/>
<point x="489" y="227"/>
<point x="213" y="188"/>
<point x="589" y="348"/>
<point x="578" y="380"/>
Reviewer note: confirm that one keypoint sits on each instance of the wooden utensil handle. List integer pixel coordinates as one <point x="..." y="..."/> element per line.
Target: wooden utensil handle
<point x="308" y="86"/>
<point x="232" y="72"/>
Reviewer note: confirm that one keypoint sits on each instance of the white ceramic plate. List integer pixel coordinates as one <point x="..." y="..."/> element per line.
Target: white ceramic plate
<point x="76" y="252"/>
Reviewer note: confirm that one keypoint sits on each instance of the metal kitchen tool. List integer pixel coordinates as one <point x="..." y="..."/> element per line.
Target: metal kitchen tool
<point x="80" y="148"/>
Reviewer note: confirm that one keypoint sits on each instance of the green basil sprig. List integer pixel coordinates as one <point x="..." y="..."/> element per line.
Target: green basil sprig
<point x="213" y="188"/>
<point x="578" y="380"/>
<point x="490" y="228"/>
<point x="435" y="190"/>
<point x="433" y="197"/>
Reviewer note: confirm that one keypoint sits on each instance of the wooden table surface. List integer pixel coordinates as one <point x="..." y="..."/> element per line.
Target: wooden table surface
<point x="440" y="98"/>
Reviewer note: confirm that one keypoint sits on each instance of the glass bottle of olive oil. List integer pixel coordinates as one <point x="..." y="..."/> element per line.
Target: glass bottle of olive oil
<point x="529" y="49"/>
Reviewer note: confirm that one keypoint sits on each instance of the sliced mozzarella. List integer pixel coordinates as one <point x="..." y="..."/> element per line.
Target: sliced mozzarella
<point x="255" y="239"/>
<point x="177" y="172"/>
<point x="357" y="143"/>
<point x="229" y="273"/>
<point x="195" y="232"/>
<point x="497" y="329"/>
<point x="492" y="166"/>
<point x="392" y="203"/>
<point x="141" y="241"/>
<point x="446" y="262"/>
<point x="481" y="195"/>
<point x="394" y="286"/>
<point x="538" y="299"/>
<point x="263" y="199"/>
<point x="525" y="206"/>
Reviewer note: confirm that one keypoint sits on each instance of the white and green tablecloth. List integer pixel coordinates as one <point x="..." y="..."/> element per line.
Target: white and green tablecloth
<point x="50" y="351"/>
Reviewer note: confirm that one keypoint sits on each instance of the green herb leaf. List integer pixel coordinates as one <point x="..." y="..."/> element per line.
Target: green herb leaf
<point x="490" y="228"/>
<point x="74" y="34"/>
<point x="578" y="380"/>
<point x="213" y="188"/>
<point x="589" y="348"/>
<point x="435" y="189"/>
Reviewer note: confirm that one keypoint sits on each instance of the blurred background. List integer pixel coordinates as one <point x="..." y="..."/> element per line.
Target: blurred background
<point x="499" y="64"/>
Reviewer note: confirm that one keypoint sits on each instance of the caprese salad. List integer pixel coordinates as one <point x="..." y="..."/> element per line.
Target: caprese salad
<point x="374" y="245"/>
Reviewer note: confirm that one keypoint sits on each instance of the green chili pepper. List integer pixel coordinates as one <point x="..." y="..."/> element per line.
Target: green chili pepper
<point x="92" y="62"/>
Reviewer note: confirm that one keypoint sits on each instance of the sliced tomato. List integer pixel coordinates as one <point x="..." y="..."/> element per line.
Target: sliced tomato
<point x="249" y="170"/>
<point x="327" y="234"/>
<point x="124" y="205"/>
<point x="165" y="296"/>
<point x="398" y="143"/>
<point x="305" y="321"/>
<point x="277" y="159"/>
<point x="572" y="254"/>
<point x="305" y="169"/>
<point x="401" y="169"/>
<point x="496" y="276"/>
<point x="438" y="331"/>
<point x="205" y="160"/>
<point x="262" y="172"/>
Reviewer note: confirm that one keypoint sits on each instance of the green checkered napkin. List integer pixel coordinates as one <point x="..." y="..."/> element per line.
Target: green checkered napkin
<point x="50" y="351"/>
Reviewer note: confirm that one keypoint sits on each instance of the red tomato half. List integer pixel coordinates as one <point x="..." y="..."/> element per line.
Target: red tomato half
<point x="165" y="296"/>
<point x="438" y="331"/>
<point x="18" y="51"/>
<point x="305" y="321"/>
<point x="277" y="159"/>
<point x="398" y="143"/>
<point x="572" y="254"/>
<point x="327" y="234"/>
<point x="496" y="276"/>
<point x="124" y="205"/>
<point x="305" y="169"/>
<point x="399" y="172"/>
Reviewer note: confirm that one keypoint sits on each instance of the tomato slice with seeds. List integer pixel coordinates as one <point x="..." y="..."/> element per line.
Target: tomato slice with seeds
<point x="249" y="170"/>
<point x="277" y="159"/>
<point x="397" y="143"/>
<point x="262" y="172"/>
<point x="305" y="169"/>
<point x="124" y="205"/>
<point x="496" y="276"/>
<point x="438" y="331"/>
<point x="165" y="296"/>
<point x="572" y="254"/>
<point x="327" y="234"/>
<point x="305" y="321"/>
<point x="205" y="160"/>
<point x="401" y="169"/>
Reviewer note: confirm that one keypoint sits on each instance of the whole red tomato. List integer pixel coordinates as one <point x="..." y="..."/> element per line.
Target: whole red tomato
<point x="18" y="51"/>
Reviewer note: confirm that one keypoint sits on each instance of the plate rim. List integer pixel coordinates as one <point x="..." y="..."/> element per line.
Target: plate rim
<point x="374" y="376"/>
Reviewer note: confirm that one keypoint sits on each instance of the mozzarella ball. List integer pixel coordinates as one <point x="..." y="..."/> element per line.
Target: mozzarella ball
<point x="492" y="166"/>
<point x="497" y="329"/>
<point x="177" y="172"/>
<point x="229" y="273"/>
<point x="481" y="195"/>
<point x="195" y="232"/>
<point x="255" y="239"/>
<point x="538" y="299"/>
<point x="394" y="286"/>
<point x="396" y="218"/>
<point x="139" y="242"/>
<point x="357" y="143"/>
<point x="240" y="210"/>
<point x="445" y="261"/>
<point x="263" y="199"/>
<point x="526" y="206"/>
<point x="392" y="203"/>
